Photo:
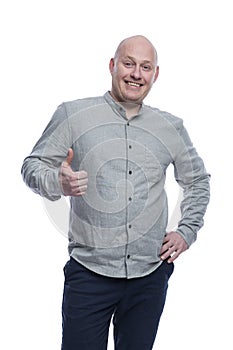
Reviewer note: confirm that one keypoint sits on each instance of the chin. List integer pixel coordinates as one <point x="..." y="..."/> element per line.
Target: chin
<point x="129" y="97"/>
<point x="135" y="99"/>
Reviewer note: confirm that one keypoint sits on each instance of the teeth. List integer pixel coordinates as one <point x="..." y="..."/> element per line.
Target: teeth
<point x="133" y="84"/>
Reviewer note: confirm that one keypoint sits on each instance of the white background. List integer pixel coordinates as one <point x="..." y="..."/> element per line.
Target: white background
<point x="53" y="51"/>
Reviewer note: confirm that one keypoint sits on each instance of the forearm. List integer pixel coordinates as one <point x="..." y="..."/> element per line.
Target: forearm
<point x="191" y="175"/>
<point x="41" y="178"/>
<point x="193" y="208"/>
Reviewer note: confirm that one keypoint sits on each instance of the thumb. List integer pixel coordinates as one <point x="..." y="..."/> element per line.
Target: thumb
<point x="69" y="157"/>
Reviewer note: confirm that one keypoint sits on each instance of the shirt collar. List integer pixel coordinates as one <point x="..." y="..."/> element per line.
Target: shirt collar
<point x="118" y="107"/>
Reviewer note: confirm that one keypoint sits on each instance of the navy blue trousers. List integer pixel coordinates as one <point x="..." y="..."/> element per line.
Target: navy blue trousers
<point x="91" y="300"/>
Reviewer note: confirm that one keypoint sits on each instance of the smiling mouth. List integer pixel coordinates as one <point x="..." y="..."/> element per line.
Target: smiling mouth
<point x="132" y="83"/>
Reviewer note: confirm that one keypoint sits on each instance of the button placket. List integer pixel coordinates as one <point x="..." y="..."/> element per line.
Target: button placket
<point x="130" y="171"/>
<point x="129" y="195"/>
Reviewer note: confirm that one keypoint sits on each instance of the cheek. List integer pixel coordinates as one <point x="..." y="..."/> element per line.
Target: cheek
<point x="150" y="82"/>
<point x="118" y="76"/>
<point x="121" y="73"/>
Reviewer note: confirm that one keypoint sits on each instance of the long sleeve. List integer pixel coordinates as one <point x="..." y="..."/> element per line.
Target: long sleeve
<point x="191" y="175"/>
<point x="40" y="169"/>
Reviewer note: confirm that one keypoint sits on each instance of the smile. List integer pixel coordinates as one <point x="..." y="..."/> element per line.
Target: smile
<point x="131" y="83"/>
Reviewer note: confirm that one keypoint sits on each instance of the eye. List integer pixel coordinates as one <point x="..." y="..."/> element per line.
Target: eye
<point x="128" y="64"/>
<point x="146" y="67"/>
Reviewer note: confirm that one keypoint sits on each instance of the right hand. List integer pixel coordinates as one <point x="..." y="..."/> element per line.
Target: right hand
<point x="73" y="183"/>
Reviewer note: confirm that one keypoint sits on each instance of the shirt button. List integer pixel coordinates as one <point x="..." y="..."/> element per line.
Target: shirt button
<point x="130" y="172"/>
<point x="128" y="123"/>
<point x="128" y="256"/>
<point x="130" y="198"/>
<point x="130" y="226"/>
<point x="130" y="146"/>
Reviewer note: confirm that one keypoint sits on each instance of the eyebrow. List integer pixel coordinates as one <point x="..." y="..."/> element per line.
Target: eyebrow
<point x="144" y="61"/>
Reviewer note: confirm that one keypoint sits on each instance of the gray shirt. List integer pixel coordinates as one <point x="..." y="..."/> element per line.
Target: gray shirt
<point x="117" y="228"/>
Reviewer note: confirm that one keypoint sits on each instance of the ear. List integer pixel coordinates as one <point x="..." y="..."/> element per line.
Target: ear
<point x="156" y="74"/>
<point x="111" y="65"/>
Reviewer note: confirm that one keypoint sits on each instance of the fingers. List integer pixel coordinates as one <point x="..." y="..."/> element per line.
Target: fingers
<point x="72" y="183"/>
<point x="69" y="157"/>
<point x="173" y="246"/>
<point x="78" y="183"/>
<point x="82" y="174"/>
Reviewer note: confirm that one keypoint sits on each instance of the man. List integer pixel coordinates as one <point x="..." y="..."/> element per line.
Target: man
<point x="110" y="155"/>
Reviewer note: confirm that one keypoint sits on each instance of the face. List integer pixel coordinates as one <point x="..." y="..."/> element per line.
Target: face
<point x="134" y="70"/>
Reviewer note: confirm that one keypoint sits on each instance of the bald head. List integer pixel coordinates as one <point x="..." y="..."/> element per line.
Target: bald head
<point x="137" y="40"/>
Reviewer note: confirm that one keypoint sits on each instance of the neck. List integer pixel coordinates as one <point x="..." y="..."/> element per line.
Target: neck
<point x="131" y="108"/>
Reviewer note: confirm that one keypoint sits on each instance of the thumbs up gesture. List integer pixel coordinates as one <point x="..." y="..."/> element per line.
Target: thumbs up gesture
<point x="73" y="183"/>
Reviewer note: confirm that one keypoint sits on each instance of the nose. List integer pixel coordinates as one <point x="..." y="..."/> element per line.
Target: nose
<point x="136" y="73"/>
